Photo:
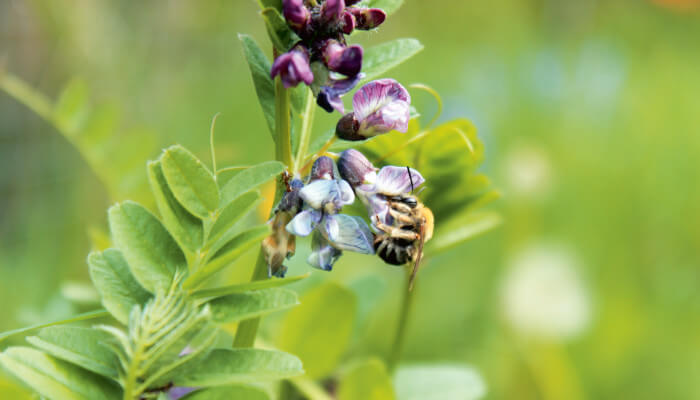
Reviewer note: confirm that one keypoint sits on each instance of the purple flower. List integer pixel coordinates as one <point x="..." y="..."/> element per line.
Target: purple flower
<point x="367" y="18"/>
<point x="374" y="188"/>
<point x="178" y="392"/>
<point x="349" y="22"/>
<point x="293" y="67"/>
<point x="332" y="10"/>
<point x="342" y="59"/>
<point x="296" y="14"/>
<point x="324" y="197"/>
<point x="329" y="96"/>
<point x="378" y="107"/>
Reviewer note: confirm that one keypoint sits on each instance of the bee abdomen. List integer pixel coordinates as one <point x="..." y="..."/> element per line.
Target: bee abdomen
<point x="395" y="252"/>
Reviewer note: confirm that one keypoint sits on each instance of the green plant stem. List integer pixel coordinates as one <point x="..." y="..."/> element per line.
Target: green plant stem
<point x="307" y="121"/>
<point x="248" y="329"/>
<point x="406" y="304"/>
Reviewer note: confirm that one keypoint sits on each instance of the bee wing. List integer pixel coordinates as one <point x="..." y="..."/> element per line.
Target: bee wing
<point x="418" y="258"/>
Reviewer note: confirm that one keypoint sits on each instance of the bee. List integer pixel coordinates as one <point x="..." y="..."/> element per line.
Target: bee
<point x="402" y="240"/>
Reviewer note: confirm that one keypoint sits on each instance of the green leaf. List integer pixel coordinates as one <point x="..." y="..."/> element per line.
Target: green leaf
<point x="152" y="254"/>
<point x="276" y="4"/>
<point x="79" y="346"/>
<point x="190" y="181"/>
<point x="389" y="6"/>
<point x="281" y="36"/>
<point x="438" y="382"/>
<point x="229" y="253"/>
<point x="240" y="306"/>
<point x="56" y="379"/>
<point x="72" y="108"/>
<point x="319" y="330"/>
<point x="381" y="58"/>
<point x="247" y="287"/>
<point x="242" y="392"/>
<point x="80" y="317"/>
<point x="232" y="213"/>
<point x="185" y="228"/>
<point x="462" y="228"/>
<point x="250" y="179"/>
<point x="264" y="87"/>
<point x="229" y="366"/>
<point x="118" y="288"/>
<point x="367" y="380"/>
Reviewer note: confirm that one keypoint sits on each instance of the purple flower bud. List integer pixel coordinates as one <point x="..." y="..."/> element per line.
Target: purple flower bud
<point x="345" y="60"/>
<point x="322" y="168"/>
<point x="379" y="107"/>
<point x="296" y="14"/>
<point x="348" y="22"/>
<point x="293" y="67"/>
<point x="332" y="10"/>
<point x="351" y="2"/>
<point x="367" y="18"/>
<point x="355" y="168"/>
<point x="329" y="96"/>
<point x="178" y="392"/>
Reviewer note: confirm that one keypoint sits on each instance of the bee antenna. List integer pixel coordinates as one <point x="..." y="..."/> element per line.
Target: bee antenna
<point x="410" y="177"/>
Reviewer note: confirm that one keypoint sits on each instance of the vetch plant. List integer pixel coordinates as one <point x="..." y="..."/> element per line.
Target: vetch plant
<point x="161" y="335"/>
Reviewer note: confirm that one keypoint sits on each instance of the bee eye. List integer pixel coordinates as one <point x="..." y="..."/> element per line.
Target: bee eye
<point x="411" y="202"/>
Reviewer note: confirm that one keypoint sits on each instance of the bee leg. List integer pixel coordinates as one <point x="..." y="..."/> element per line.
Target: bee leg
<point x="400" y="207"/>
<point x="401" y="217"/>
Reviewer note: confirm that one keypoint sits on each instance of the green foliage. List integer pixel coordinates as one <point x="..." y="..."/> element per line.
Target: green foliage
<point x="119" y="290"/>
<point x="227" y="366"/>
<point x="152" y="254"/>
<point x="281" y="36"/>
<point x="250" y="179"/>
<point x="264" y="87"/>
<point x="319" y="330"/>
<point x="239" y="306"/>
<point x="56" y="379"/>
<point x="228" y="392"/>
<point x="230" y="215"/>
<point x="381" y="58"/>
<point x="79" y="346"/>
<point x="247" y="287"/>
<point x="190" y="181"/>
<point x="437" y="382"/>
<point x="367" y="380"/>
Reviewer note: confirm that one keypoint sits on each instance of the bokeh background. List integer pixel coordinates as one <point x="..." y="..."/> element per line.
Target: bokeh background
<point x="590" y="114"/>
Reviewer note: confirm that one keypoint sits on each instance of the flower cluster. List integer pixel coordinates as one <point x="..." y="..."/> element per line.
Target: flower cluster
<point x="322" y="59"/>
<point x="314" y="208"/>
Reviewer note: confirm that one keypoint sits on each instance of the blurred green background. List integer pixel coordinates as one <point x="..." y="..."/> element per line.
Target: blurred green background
<point x="589" y="111"/>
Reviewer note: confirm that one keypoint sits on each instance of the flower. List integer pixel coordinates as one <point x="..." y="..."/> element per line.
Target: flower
<point x="332" y="10"/>
<point x="378" y="107"/>
<point x="346" y="60"/>
<point x="367" y="18"/>
<point x="323" y="198"/>
<point x="296" y="14"/>
<point x="329" y="96"/>
<point x="375" y="188"/>
<point x="293" y="67"/>
<point x="281" y="245"/>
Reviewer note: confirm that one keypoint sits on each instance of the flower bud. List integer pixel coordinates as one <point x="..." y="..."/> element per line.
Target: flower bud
<point x="341" y="59"/>
<point x="323" y="168"/>
<point x="355" y="168"/>
<point x="367" y="18"/>
<point x="293" y="67"/>
<point x="296" y="14"/>
<point x="348" y="22"/>
<point x="351" y="2"/>
<point x="332" y="10"/>
<point x="348" y="127"/>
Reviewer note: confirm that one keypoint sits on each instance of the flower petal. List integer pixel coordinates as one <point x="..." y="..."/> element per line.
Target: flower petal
<point x="319" y="192"/>
<point x="381" y="106"/>
<point x="347" y="196"/>
<point x="349" y="233"/>
<point x="394" y="181"/>
<point x="304" y="223"/>
<point x="323" y="255"/>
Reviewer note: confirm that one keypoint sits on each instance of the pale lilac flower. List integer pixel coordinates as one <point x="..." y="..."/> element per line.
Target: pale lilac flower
<point x="379" y="107"/>
<point x="296" y="14"/>
<point x="293" y="67"/>
<point x="375" y="188"/>
<point x="323" y="198"/>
